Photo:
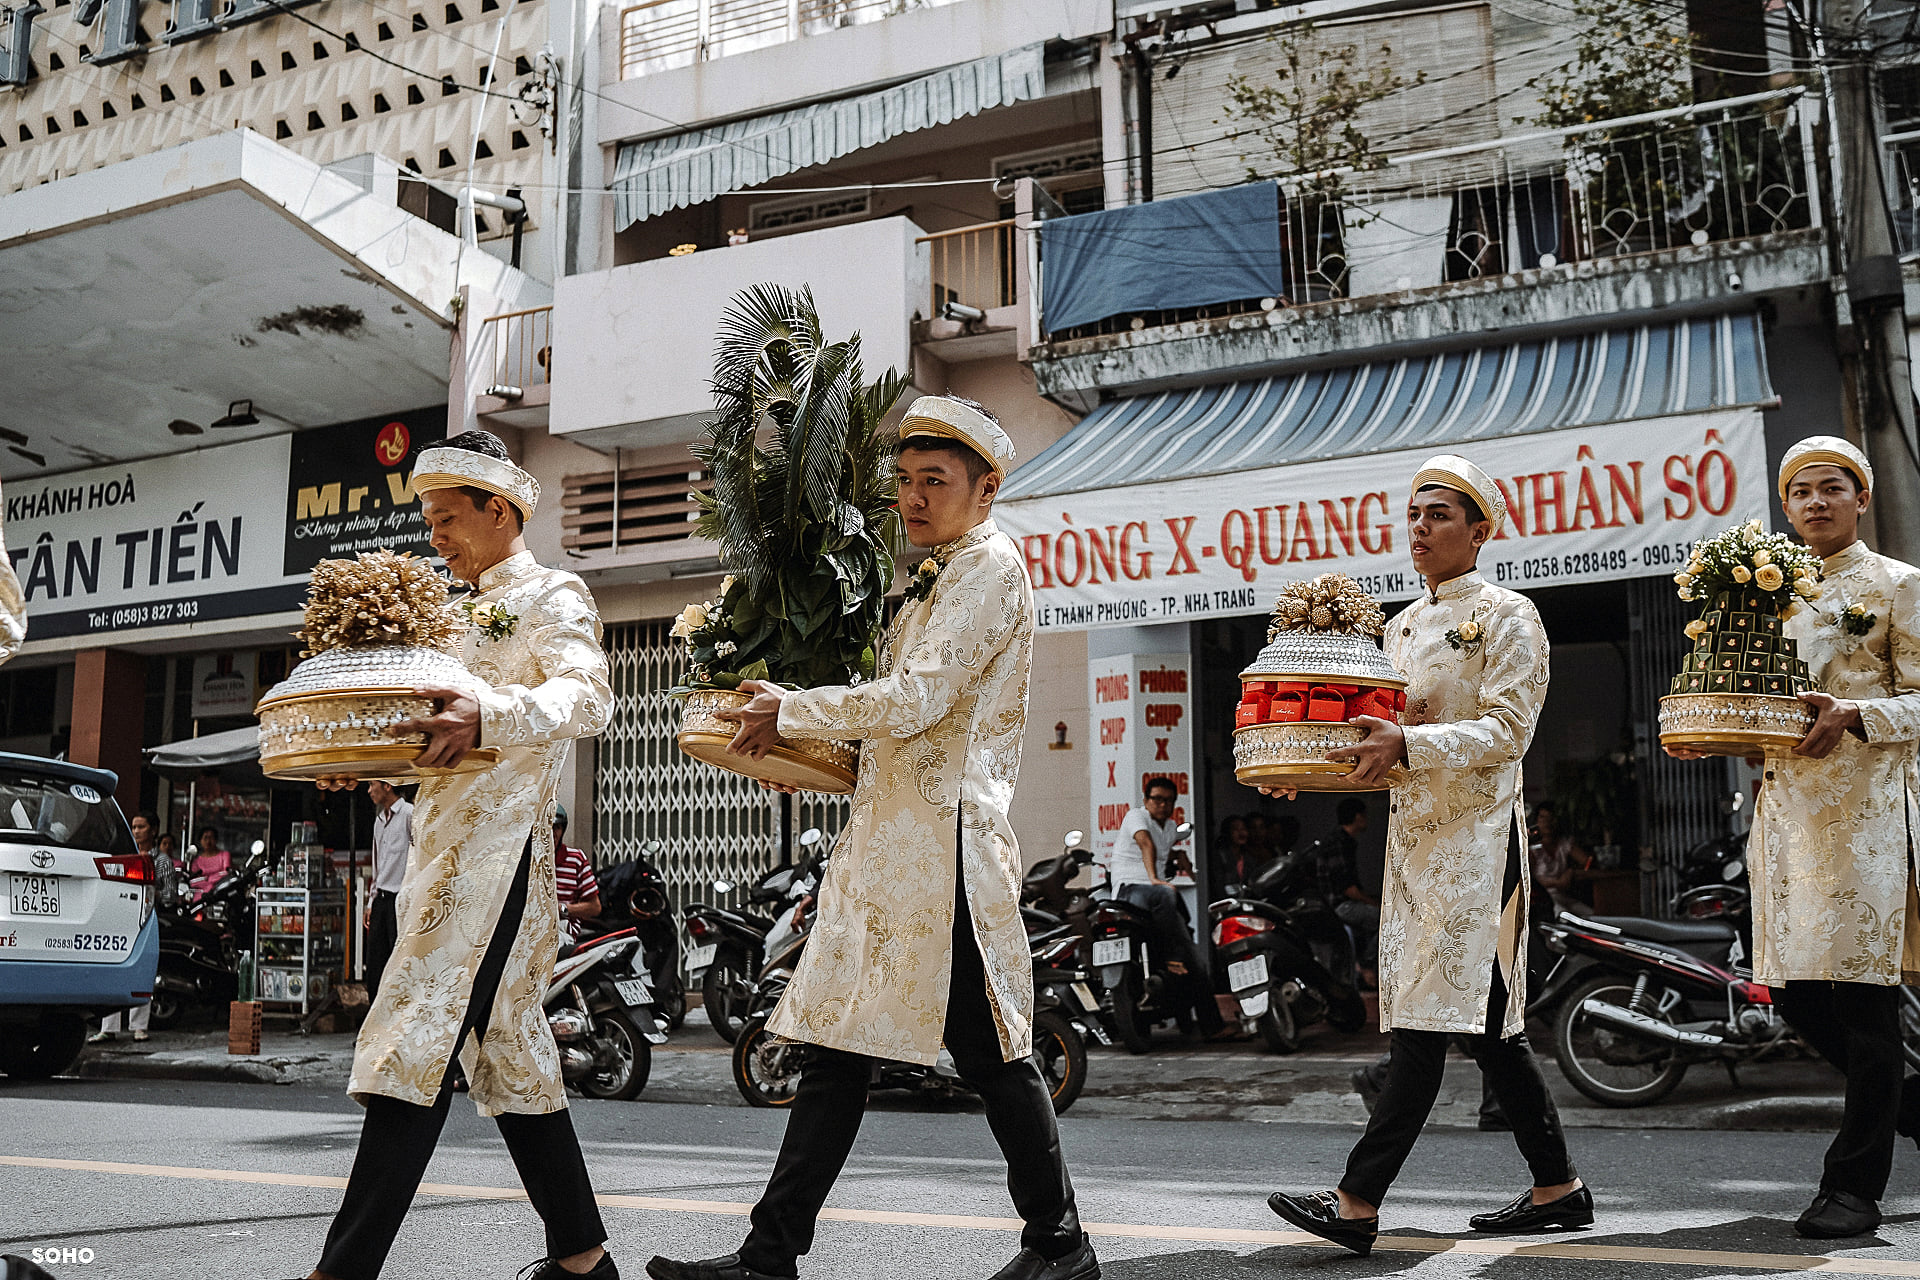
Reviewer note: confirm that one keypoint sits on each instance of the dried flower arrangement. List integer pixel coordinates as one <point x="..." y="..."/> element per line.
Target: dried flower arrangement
<point x="1330" y="602"/>
<point x="377" y="598"/>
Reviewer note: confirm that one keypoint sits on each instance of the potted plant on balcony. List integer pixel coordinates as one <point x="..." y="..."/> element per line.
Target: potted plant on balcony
<point x="802" y="508"/>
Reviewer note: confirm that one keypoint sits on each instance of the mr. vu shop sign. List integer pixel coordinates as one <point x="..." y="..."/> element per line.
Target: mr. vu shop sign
<point x="1587" y="504"/>
<point x="217" y="533"/>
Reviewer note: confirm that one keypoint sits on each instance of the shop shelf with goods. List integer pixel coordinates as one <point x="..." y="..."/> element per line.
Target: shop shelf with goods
<point x="301" y="932"/>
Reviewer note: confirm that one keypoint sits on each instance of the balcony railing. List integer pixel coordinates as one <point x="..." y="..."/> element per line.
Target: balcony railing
<point x="656" y="35"/>
<point x="652" y="504"/>
<point x="974" y="266"/>
<point x="521" y="343"/>
<point x="1692" y="176"/>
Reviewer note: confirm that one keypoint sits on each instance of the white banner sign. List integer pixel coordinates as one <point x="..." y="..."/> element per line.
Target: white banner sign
<point x="1587" y="504"/>
<point x="1142" y="711"/>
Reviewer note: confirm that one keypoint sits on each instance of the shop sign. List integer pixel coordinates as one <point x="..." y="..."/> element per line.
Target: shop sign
<point x="219" y="533"/>
<point x="1587" y="504"/>
<point x="224" y="684"/>
<point x="1142" y="727"/>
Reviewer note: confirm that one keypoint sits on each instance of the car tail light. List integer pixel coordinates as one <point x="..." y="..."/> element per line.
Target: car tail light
<point x="1234" y="928"/>
<point x="128" y="868"/>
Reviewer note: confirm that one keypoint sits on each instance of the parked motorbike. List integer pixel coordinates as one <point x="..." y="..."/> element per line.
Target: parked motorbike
<point x="767" y="1069"/>
<point x="729" y="947"/>
<point x="1289" y="959"/>
<point x="201" y="940"/>
<point x="633" y="895"/>
<point x="600" y="1008"/>
<point x="1060" y="931"/>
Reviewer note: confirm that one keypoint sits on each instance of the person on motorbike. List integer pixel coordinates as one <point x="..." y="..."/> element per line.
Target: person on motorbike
<point x="1831" y="846"/>
<point x="1453" y="931"/>
<point x="1335" y="858"/>
<point x="209" y="863"/>
<point x="1141" y="848"/>
<point x="573" y="879"/>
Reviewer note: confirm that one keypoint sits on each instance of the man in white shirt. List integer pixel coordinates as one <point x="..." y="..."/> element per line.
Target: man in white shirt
<point x="392" y="838"/>
<point x="1139" y="860"/>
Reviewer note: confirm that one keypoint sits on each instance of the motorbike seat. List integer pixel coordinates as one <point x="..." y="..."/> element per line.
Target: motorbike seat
<point x="1669" y="930"/>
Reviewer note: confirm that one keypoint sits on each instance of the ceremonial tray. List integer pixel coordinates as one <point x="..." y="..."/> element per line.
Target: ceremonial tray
<point x="330" y="716"/>
<point x="809" y="764"/>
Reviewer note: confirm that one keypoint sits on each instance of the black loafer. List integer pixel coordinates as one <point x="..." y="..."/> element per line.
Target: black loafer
<point x="1835" y="1215"/>
<point x="1029" y="1265"/>
<point x="727" y="1268"/>
<point x="548" y="1269"/>
<point x="1319" y="1214"/>
<point x="1570" y="1212"/>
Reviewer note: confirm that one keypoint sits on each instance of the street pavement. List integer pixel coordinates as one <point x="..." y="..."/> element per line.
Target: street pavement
<point x="164" y="1178"/>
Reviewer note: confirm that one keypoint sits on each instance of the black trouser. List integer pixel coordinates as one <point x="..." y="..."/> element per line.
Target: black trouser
<point x="397" y="1139"/>
<point x="1856" y="1027"/>
<point x="826" y="1115"/>
<point x="1416" y="1066"/>
<point x="1170" y="929"/>
<point x="382" y="932"/>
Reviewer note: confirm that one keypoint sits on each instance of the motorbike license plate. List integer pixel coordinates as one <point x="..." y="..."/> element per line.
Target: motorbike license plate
<point x="1251" y="972"/>
<point x="1112" y="951"/>
<point x="700" y="959"/>
<point x="634" y="991"/>
<point x="33" y="895"/>
<point x="1253" y="1004"/>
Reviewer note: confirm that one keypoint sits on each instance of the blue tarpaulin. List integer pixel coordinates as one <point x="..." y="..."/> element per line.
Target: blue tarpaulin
<point x="1194" y="251"/>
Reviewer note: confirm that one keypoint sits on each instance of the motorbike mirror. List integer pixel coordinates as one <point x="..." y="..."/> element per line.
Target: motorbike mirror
<point x="810" y="837"/>
<point x="651" y="846"/>
<point x="1738" y="800"/>
<point x="722" y="886"/>
<point x="259" y="847"/>
<point x="1182" y="831"/>
<point x="1075" y="839"/>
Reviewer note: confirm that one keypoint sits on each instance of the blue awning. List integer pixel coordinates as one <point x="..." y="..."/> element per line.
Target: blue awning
<point x="1441" y="401"/>
<point x="658" y="174"/>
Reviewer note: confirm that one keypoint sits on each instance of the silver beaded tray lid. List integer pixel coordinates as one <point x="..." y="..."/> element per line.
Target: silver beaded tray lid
<point x="384" y="669"/>
<point x="1324" y="655"/>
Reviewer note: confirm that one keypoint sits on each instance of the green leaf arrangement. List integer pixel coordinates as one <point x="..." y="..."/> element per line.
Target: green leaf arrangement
<point x="802" y="503"/>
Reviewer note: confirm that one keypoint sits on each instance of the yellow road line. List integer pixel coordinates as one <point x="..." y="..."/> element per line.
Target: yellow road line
<point x="1472" y="1246"/>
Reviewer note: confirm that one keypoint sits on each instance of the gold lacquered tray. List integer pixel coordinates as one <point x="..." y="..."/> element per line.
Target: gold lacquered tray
<point x="1734" y="724"/>
<point x="811" y="765"/>
<point x="1293" y="754"/>
<point x="395" y="761"/>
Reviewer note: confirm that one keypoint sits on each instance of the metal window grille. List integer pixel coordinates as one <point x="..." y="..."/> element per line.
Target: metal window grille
<point x="1680" y="800"/>
<point x="711" y="824"/>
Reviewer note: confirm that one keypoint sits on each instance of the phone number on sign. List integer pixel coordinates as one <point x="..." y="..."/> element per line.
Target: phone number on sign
<point x="141" y="615"/>
<point x="1573" y="565"/>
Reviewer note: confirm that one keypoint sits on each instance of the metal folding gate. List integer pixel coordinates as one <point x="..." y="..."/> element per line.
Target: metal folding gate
<point x="711" y="824"/>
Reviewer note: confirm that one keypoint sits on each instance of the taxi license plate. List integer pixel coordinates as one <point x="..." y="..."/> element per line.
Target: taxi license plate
<point x="634" y="991"/>
<point x="33" y="895"/>
<point x="1251" y="972"/>
<point x="700" y="959"/>
<point x="1112" y="951"/>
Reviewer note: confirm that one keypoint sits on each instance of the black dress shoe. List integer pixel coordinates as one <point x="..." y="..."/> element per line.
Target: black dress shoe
<point x="548" y="1269"/>
<point x="1835" y="1215"/>
<point x="1574" y="1209"/>
<point x="1319" y="1214"/>
<point x="1029" y="1265"/>
<point x="727" y="1268"/>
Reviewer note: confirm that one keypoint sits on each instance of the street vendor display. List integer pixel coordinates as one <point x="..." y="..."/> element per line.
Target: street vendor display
<point x="1322" y="667"/>
<point x="377" y="627"/>
<point x="1738" y="693"/>
<point x="802" y="508"/>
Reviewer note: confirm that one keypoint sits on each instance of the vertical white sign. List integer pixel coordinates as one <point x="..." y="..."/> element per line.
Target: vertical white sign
<point x="1141" y="707"/>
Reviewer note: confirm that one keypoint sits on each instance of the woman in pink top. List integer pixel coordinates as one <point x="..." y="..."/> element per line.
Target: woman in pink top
<point x="208" y="864"/>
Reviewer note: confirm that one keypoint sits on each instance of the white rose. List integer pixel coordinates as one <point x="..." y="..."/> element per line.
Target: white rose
<point x="1761" y="557"/>
<point x="1742" y="574"/>
<point x="1469" y="631"/>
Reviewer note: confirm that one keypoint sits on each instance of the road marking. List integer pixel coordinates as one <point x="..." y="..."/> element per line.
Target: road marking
<point x="1472" y="1246"/>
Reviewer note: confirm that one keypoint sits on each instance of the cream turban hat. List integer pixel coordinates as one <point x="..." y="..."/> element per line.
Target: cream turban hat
<point x="455" y="468"/>
<point x="1829" y="451"/>
<point x="1452" y="471"/>
<point x="944" y="416"/>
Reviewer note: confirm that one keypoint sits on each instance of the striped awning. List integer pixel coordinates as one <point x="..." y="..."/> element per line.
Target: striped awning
<point x="657" y="174"/>
<point x="1440" y="401"/>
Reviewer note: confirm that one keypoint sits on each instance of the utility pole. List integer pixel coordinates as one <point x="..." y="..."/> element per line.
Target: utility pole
<point x="1875" y="289"/>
